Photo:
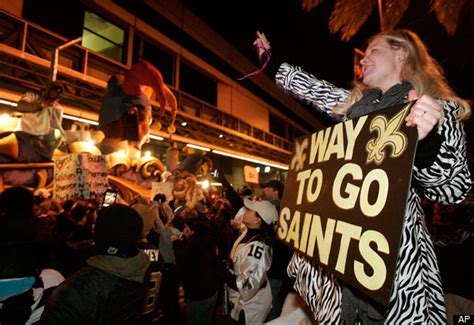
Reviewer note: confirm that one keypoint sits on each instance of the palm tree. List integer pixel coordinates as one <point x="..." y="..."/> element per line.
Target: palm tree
<point x="348" y="16"/>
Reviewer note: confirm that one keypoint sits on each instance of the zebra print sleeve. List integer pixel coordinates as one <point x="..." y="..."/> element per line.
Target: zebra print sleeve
<point x="319" y="289"/>
<point x="447" y="180"/>
<point x="305" y="87"/>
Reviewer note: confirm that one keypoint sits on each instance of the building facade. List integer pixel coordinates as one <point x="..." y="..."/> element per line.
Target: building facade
<point x="237" y="123"/>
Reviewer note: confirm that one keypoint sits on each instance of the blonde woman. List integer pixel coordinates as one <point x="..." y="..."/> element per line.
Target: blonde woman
<point x="396" y="68"/>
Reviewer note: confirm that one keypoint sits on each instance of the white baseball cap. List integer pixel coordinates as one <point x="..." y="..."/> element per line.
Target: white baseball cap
<point x="265" y="209"/>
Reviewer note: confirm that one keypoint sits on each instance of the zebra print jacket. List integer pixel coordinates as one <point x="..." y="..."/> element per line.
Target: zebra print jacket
<point x="417" y="294"/>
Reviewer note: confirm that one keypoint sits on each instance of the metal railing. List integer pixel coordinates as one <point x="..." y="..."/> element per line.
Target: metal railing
<point x="81" y="63"/>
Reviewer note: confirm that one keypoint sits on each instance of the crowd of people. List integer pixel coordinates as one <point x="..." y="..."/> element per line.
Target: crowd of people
<point x="78" y="262"/>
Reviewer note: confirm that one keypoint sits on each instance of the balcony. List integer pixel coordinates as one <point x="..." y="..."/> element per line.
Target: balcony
<point x="25" y="66"/>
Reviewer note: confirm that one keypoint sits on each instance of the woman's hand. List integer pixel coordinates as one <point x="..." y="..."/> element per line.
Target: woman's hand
<point x="424" y="115"/>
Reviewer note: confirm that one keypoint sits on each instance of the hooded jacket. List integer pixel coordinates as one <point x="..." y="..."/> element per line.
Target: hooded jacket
<point x="109" y="290"/>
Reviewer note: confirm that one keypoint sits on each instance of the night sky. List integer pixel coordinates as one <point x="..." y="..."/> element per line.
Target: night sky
<point x="302" y="38"/>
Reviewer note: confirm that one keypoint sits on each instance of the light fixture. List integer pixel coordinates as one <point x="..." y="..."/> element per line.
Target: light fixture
<point x="223" y="153"/>
<point x="257" y="169"/>
<point x="205" y="184"/>
<point x="8" y="102"/>
<point x="5" y="119"/>
<point x="80" y="119"/>
<point x="221" y="136"/>
<point x="120" y="153"/>
<point x="184" y="123"/>
<point x="197" y="147"/>
<point x="9" y="123"/>
<point x="155" y="137"/>
<point x="267" y="169"/>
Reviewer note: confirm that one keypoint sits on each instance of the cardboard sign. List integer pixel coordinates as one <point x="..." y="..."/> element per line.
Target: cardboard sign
<point x="250" y="174"/>
<point x="345" y="198"/>
<point x="162" y="188"/>
<point x="80" y="176"/>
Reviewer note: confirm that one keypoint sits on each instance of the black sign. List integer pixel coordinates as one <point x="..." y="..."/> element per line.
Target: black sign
<point x="345" y="198"/>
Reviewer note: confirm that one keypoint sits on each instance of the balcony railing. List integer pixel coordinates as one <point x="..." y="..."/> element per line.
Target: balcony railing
<point x="83" y="64"/>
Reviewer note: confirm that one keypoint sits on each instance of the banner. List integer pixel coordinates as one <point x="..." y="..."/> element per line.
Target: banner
<point x="79" y="176"/>
<point x="345" y="198"/>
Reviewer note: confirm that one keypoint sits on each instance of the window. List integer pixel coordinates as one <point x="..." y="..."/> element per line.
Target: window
<point x="53" y="15"/>
<point x="197" y="84"/>
<point x="103" y="37"/>
<point x="160" y="58"/>
<point x="245" y="128"/>
<point x="230" y="122"/>
<point x="258" y="134"/>
<point x="277" y="126"/>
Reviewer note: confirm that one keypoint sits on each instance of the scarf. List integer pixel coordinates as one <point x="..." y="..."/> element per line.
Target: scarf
<point x="374" y="100"/>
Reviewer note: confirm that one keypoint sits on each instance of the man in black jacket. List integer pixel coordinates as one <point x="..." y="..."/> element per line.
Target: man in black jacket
<point x="111" y="288"/>
<point x="196" y="260"/>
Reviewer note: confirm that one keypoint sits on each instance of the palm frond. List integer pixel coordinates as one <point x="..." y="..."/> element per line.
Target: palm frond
<point x="447" y="12"/>
<point x="349" y="16"/>
<point x="393" y="12"/>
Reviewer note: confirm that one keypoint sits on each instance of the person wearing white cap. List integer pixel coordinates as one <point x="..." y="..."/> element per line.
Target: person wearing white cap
<point x="251" y="256"/>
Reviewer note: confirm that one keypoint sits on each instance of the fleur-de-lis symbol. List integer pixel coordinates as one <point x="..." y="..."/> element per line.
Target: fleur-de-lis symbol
<point x="388" y="135"/>
<point x="299" y="158"/>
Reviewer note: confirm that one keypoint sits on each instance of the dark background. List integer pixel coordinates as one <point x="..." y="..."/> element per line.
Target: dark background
<point x="302" y="38"/>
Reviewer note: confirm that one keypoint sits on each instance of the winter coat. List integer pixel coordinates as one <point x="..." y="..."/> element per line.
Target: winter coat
<point x="197" y="262"/>
<point x="110" y="292"/>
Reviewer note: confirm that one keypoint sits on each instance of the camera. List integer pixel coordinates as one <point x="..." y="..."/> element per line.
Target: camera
<point x="110" y="197"/>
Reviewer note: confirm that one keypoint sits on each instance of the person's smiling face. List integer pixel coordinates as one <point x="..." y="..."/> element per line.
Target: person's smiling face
<point x="381" y="65"/>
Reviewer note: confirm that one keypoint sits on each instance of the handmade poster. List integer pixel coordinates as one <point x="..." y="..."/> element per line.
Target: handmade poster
<point x="345" y="198"/>
<point x="162" y="188"/>
<point x="251" y="175"/>
<point x="80" y="176"/>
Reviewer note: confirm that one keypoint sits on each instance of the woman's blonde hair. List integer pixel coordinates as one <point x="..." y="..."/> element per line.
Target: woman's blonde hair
<point x="420" y="69"/>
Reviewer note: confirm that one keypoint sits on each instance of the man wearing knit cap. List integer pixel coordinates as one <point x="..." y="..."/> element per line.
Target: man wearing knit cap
<point x="111" y="288"/>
